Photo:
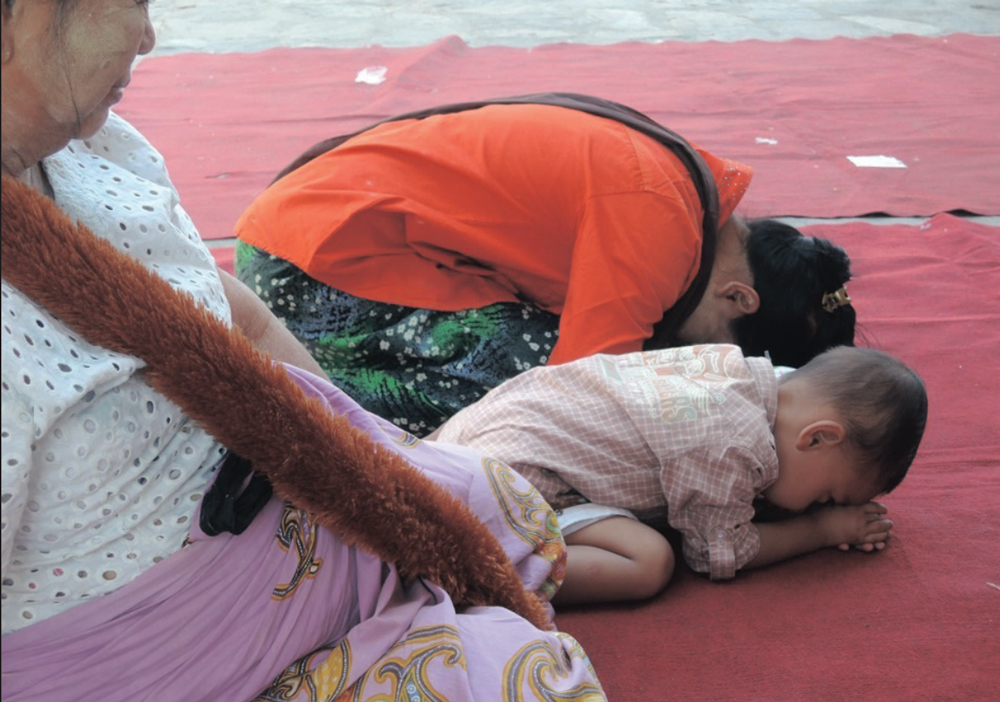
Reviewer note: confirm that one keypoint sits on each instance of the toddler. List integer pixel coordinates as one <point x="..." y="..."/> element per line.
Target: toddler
<point x="691" y="437"/>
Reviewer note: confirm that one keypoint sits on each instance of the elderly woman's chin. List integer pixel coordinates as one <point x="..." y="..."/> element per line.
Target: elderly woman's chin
<point x="90" y="124"/>
<point x="88" y="116"/>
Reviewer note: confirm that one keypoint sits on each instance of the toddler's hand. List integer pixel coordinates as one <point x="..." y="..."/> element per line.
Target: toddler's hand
<point x="864" y="527"/>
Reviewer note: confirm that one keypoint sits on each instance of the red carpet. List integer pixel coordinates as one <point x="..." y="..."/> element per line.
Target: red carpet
<point x="228" y="122"/>
<point x="916" y="622"/>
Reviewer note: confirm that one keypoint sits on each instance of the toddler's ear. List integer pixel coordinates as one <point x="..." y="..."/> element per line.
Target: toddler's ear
<point x="821" y="434"/>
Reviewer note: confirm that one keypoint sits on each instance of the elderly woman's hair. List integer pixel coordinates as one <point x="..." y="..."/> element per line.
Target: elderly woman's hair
<point x="791" y="274"/>
<point x="882" y="404"/>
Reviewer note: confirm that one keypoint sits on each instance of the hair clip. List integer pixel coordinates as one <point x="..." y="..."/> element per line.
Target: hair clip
<point x="838" y="298"/>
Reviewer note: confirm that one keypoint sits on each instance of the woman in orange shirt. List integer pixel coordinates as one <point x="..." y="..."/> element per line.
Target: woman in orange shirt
<point x="430" y="257"/>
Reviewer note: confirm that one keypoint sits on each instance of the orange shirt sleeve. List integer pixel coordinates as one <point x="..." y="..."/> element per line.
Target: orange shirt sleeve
<point x="620" y="283"/>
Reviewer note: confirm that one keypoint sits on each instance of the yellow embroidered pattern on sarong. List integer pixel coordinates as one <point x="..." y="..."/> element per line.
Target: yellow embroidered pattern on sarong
<point x="303" y="683"/>
<point x="296" y="530"/>
<point x="531" y="518"/>
<point x="400" y="437"/>
<point x="533" y="672"/>
<point x="404" y="672"/>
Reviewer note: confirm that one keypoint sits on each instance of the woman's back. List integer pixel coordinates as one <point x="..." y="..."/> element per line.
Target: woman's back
<point x="462" y="210"/>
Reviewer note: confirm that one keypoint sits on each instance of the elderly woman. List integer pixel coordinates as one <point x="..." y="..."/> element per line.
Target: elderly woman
<point x="141" y="557"/>
<point x="430" y="257"/>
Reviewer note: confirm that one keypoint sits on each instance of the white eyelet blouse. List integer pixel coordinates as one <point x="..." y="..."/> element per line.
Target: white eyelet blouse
<point x="101" y="474"/>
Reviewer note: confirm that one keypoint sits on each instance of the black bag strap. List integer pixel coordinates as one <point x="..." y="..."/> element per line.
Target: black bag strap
<point x="228" y="506"/>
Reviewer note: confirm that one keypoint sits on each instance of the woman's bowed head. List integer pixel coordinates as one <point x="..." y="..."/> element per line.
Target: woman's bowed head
<point x="804" y="306"/>
<point x="772" y="291"/>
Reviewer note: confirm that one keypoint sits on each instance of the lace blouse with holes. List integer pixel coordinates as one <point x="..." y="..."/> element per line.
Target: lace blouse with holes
<point x="101" y="475"/>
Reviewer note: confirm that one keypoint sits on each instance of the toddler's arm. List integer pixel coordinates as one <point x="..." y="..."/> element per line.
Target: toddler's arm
<point x="863" y="526"/>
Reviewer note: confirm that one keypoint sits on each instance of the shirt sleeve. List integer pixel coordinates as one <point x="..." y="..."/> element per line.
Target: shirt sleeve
<point x="635" y="255"/>
<point x="18" y="433"/>
<point x="710" y="502"/>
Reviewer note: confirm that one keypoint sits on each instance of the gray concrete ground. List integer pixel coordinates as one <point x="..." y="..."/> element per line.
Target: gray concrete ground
<point x="254" y="25"/>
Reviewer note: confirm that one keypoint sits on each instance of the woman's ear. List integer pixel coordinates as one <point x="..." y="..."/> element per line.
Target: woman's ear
<point x="821" y="434"/>
<point x="741" y="299"/>
<point x="7" y="22"/>
<point x="5" y="47"/>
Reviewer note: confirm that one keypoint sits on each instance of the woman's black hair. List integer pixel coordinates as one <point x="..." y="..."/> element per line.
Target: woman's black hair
<point x="791" y="274"/>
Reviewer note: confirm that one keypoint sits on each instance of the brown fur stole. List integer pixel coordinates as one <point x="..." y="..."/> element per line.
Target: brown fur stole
<point x="364" y="494"/>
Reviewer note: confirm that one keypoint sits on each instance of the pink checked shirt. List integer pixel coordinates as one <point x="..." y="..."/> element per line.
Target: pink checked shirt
<point x="683" y="433"/>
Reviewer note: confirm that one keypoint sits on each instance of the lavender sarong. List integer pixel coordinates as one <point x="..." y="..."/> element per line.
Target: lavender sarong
<point x="285" y="611"/>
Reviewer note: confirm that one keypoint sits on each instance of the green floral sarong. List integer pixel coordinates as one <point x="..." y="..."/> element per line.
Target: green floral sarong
<point x="415" y="367"/>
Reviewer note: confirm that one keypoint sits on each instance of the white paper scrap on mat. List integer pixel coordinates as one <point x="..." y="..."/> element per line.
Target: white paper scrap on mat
<point x="876" y="162"/>
<point x="372" y="75"/>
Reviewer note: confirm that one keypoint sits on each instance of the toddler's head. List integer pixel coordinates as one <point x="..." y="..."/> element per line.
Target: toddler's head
<point x="849" y="425"/>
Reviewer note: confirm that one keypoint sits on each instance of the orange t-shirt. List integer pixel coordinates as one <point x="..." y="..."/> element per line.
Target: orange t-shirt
<point x="575" y="213"/>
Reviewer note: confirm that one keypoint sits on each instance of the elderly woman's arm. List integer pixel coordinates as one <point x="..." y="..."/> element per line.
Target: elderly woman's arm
<point x="18" y="437"/>
<point x="265" y="331"/>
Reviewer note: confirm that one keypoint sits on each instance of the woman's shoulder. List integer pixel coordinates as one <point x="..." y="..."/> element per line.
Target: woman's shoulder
<point x="116" y="184"/>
